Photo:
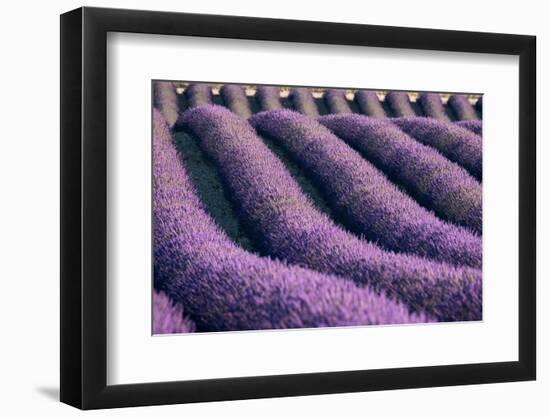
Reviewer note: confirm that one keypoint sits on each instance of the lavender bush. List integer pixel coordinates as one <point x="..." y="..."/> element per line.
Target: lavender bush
<point x="268" y="97"/>
<point x="369" y="103"/>
<point x="166" y="100"/>
<point x="336" y="101"/>
<point x="168" y="317"/>
<point x="303" y="101"/>
<point x="198" y="94"/>
<point x="433" y="106"/>
<point x="400" y="104"/>
<point x="288" y="226"/>
<point x="224" y="287"/>
<point x="475" y="126"/>
<point x="436" y="182"/>
<point x="235" y="99"/>
<point x="461" y="107"/>
<point x="458" y="144"/>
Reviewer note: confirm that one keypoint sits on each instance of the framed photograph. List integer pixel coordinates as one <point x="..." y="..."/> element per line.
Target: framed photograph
<point x="256" y="208"/>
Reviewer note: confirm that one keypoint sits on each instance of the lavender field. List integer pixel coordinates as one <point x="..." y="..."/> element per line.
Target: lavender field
<point x="284" y="207"/>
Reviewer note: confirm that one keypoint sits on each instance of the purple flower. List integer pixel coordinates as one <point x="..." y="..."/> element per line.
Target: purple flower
<point x="400" y="104"/>
<point x="371" y="204"/>
<point x="235" y="99"/>
<point x="462" y="108"/>
<point x="286" y="225"/>
<point x="436" y="182"/>
<point x="168" y="317"/>
<point x="303" y="101"/>
<point x="458" y="144"/>
<point x="268" y="97"/>
<point x="433" y="106"/>
<point x="166" y="100"/>
<point x="222" y="286"/>
<point x="369" y="103"/>
<point x="475" y="126"/>
<point x="336" y="101"/>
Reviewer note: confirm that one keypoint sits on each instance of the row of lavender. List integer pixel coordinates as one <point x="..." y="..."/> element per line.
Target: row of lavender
<point x="425" y="264"/>
<point x="335" y="101"/>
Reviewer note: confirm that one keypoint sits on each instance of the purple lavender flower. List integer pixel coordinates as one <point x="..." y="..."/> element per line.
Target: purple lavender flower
<point x="303" y="101"/>
<point x="456" y="143"/>
<point x="369" y="103"/>
<point x="224" y="287"/>
<point x="268" y="97"/>
<point x="166" y="100"/>
<point x="336" y="101"/>
<point x="461" y="107"/>
<point x="475" y="126"/>
<point x="364" y="197"/>
<point x="235" y="99"/>
<point x="287" y="226"/>
<point x="198" y="94"/>
<point x="433" y="106"/>
<point x="436" y="182"/>
<point x="400" y="104"/>
<point x="168" y="317"/>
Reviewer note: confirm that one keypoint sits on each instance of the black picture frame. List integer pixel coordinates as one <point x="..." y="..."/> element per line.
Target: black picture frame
<point x="84" y="207"/>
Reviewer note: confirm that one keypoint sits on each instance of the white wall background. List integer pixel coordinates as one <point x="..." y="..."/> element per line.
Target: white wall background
<point x="29" y="225"/>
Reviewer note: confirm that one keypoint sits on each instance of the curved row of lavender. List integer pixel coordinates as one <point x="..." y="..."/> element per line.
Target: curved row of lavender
<point x="457" y="143"/>
<point x="195" y="94"/>
<point x="433" y="106"/>
<point x="303" y="101"/>
<point x="168" y="317"/>
<point x="475" y="126"/>
<point x="223" y="287"/>
<point x="461" y="107"/>
<point x="235" y="99"/>
<point x="269" y="97"/>
<point x="433" y="180"/>
<point x="369" y="103"/>
<point x="371" y="204"/>
<point x="400" y="104"/>
<point x="287" y="225"/>
<point x="336" y="101"/>
<point x="198" y="94"/>
<point x="166" y="100"/>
